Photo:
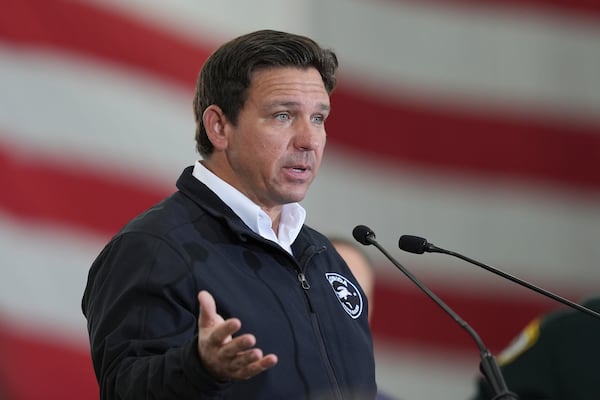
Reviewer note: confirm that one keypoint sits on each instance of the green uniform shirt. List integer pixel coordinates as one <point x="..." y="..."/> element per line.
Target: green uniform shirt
<point x="555" y="357"/>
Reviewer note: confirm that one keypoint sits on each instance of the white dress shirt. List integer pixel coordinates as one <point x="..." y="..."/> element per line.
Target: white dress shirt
<point x="292" y="214"/>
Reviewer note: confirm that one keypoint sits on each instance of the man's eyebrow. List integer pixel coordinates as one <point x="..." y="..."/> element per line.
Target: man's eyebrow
<point x="282" y="103"/>
<point x="294" y="104"/>
<point x="325" y="106"/>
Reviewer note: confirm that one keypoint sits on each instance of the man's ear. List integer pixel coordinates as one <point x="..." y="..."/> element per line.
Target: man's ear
<point x="215" y="122"/>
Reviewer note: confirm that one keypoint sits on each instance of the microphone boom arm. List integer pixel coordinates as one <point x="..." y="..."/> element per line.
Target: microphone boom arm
<point x="488" y="365"/>
<point x="436" y="299"/>
<point x="434" y="249"/>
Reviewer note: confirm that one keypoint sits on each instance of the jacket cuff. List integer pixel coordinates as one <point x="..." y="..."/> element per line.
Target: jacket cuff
<point x="198" y="375"/>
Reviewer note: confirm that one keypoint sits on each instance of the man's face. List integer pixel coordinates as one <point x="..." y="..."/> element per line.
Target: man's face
<point x="276" y="148"/>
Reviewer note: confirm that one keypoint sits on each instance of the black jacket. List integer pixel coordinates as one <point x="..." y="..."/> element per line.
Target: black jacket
<point x="141" y="306"/>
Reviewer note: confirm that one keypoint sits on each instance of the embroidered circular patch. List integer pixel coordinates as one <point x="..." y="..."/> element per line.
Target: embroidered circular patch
<point x="348" y="294"/>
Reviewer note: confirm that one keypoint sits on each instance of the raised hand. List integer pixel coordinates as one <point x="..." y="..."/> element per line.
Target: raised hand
<point x="226" y="357"/>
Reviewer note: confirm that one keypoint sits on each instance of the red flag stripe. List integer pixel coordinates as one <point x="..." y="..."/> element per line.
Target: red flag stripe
<point x="59" y="370"/>
<point x="496" y="319"/>
<point x="70" y="195"/>
<point x="540" y="151"/>
<point x="505" y="146"/>
<point x="93" y="31"/>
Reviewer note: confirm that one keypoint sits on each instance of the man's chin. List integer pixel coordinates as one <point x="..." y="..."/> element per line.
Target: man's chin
<point x="293" y="196"/>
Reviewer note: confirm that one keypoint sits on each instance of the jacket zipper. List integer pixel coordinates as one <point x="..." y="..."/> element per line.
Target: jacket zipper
<point x="301" y="266"/>
<point x="303" y="280"/>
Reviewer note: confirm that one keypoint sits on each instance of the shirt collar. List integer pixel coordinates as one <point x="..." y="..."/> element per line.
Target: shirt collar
<point x="292" y="214"/>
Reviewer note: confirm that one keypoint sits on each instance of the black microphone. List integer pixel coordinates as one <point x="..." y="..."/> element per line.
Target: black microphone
<point x="488" y="365"/>
<point x="419" y="245"/>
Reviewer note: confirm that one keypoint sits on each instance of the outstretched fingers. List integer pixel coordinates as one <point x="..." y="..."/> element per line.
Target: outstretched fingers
<point x="223" y="355"/>
<point x="252" y="362"/>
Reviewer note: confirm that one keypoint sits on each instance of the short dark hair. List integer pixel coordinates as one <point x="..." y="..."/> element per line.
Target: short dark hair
<point x="227" y="73"/>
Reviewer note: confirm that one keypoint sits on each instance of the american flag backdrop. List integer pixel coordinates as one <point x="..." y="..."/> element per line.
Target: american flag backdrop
<point x="475" y="124"/>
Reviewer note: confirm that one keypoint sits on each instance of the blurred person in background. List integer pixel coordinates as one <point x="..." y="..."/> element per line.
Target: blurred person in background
<point x="221" y="291"/>
<point x="554" y="358"/>
<point x="361" y="266"/>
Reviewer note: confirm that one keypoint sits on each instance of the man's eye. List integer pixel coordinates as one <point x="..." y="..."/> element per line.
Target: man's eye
<point x="282" y="116"/>
<point x="319" y="119"/>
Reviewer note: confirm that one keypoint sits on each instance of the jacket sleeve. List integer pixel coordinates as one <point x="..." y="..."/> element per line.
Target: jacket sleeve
<point x="141" y="305"/>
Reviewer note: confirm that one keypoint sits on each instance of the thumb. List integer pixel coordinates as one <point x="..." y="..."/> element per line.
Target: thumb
<point x="208" y="310"/>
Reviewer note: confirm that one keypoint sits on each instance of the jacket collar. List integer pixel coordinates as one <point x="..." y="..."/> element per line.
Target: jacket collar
<point x="208" y="201"/>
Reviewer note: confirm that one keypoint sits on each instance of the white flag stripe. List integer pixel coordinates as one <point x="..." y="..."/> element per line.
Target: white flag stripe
<point x="491" y="58"/>
<point x="215" y="23"/>
<point x="542" y="235"/>
<point x="110" y="117"/>
<point x="425" y="374"/>
<point x="472" y="57"/>
<point x="541" y="148"/>
<point x="43" y="274"/>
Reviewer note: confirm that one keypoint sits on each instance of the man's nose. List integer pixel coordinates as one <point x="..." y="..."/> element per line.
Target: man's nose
<point x="309" y="136"/>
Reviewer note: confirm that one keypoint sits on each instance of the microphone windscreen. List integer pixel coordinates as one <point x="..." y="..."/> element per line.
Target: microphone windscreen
<point x="362" y="234"/>
<point x="412" y="244"/>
